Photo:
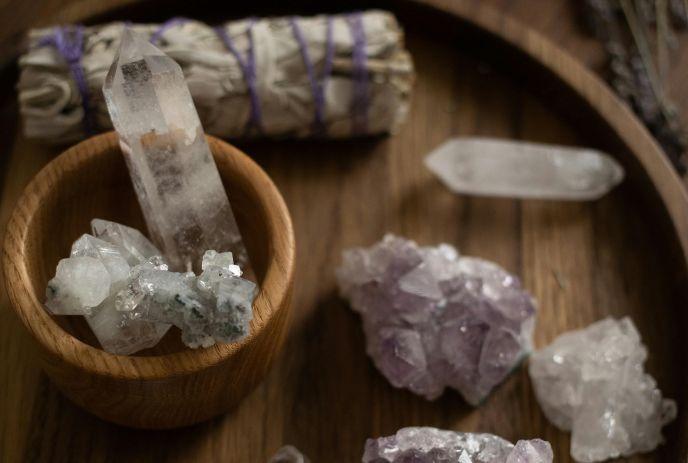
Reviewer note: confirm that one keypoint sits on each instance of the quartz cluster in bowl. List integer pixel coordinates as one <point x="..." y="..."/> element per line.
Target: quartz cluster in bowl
<point x="120" y="282"/>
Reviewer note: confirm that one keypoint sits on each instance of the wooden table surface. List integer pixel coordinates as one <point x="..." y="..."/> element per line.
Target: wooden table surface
<point x="360" y="197"/>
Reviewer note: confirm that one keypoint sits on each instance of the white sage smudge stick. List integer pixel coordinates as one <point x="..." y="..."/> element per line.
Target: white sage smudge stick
<point x="331" y="76"/>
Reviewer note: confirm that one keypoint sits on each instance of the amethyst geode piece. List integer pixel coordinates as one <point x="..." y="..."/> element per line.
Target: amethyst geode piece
<point x="431" y="445"/>
<point x="434" y="319"/>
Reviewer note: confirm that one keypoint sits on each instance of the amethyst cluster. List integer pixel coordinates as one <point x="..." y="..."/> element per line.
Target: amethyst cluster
<point x="433" y="318"/>
<point x="431" y="445"/>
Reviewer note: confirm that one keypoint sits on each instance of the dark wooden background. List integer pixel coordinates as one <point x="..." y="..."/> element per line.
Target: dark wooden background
<point x="581" y="261"/>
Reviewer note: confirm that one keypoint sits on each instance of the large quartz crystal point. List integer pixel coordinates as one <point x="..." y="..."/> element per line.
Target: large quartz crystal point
<point x="434" y="319"/>
<point x="487" y="167"/>
<point x="431" y="445"/>
<point x="592" y="382"/>
<point x="178" y="185"/>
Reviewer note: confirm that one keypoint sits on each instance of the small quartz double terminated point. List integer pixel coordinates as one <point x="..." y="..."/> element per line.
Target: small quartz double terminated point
<point x="175" y="177"/>
<point x="489" y="167"/>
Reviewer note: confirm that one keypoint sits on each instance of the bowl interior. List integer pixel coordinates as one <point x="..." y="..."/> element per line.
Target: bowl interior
<point x="96" y="183"/>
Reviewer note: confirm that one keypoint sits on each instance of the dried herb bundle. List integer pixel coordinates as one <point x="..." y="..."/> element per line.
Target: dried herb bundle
<point x="638" y="36"/>
<point x="330" y="75"/>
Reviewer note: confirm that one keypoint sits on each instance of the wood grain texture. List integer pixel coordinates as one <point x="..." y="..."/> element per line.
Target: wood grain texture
<point x="582" y="261"/>
<point x="169" y="385"/>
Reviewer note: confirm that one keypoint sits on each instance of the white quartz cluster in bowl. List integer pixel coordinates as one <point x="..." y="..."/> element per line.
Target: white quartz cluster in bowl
<point x="118" y="280"/>
<point x="434" y="319"/>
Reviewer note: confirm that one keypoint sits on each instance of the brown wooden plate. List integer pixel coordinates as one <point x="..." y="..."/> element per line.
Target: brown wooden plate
<point x="479" y="73"/>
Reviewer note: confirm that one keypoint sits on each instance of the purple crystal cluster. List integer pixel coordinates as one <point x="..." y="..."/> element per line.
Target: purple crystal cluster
<point x="431" y="445"/>
<point x="434" y="319"/>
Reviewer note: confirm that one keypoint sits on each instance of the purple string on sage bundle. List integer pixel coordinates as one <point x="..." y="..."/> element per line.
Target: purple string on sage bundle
<point x="157" y="35"/>
<point x="248" y="67"/>
<point x="359" y="103"/>
<point x="317" y="85"/>
<point x="69" y="43"/>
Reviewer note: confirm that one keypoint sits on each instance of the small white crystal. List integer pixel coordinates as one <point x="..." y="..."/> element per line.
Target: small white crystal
<point x="79" y="285"/>
<point x="592" y="382"/>
<point x="109" y="254"/>
<point x="119" y="335"/>
<point x="489" y="167"/>
<point x="135" y="247"/>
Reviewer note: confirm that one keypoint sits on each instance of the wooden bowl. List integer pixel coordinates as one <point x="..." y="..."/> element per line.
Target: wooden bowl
<point x="169" y="385"/>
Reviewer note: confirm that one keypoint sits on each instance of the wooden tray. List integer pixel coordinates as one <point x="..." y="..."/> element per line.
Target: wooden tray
<point x="479" y="73"/>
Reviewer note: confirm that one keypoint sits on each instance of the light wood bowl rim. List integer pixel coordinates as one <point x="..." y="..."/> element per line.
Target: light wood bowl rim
<point x="275" y="288"/>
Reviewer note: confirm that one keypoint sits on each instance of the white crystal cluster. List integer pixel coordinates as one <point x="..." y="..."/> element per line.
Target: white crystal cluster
<point x="434" y="319"/>
<point x="431" y="445"/>
<point x="117" y="279"/>
<point x="215" y="306"/>
<point x="489" y="167"/>
<point x="87" y="282"/>
<point x="592" y="382"/>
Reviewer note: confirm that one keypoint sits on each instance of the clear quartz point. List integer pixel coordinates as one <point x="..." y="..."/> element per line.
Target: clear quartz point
<point x="489" y="167"/>
<point x="175" y="177"/>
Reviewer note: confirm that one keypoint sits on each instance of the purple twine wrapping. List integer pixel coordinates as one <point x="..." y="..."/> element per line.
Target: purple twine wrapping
<point x="69" y="43"/>
<point x="317" y="85"/>
<point x="359" y="104"/>
<point x="157" y="35"/>
<point x="248" y="68"/>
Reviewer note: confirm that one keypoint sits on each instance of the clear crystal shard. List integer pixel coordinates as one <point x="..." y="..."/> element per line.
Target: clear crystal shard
<point x="289" y="454"/>
<point x="109" y="254"/>
<point x="592" y="382"/>
<point x="432" y="445"/>
<point x="489" y="167"/>
<point x="119" y="335"/>
<point x="434" y="319"/>
<point x="178" y="185"/>
<point x="135" y="247"/>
